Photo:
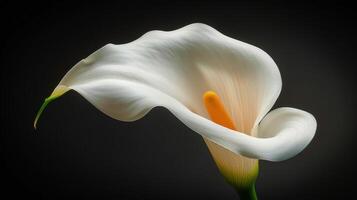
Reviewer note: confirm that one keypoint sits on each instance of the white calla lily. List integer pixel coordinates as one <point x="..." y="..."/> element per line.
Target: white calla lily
<point x="174" y="69"/>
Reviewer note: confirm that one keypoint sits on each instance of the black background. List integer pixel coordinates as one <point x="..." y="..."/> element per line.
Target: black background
<point x="79" y="153"/>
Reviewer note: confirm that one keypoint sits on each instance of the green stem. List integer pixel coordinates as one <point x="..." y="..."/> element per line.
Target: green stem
<point x="248" y="193"/>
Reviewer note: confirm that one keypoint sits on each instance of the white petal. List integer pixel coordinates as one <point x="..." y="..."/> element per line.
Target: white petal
<point x="186" y="63"/>
<point x="285" y="132"/>
<point x="173" y="70"/>
<point x="288" y="130"/>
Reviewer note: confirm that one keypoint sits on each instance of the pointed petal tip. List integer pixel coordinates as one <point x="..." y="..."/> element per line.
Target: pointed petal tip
<point x="59" y="91"/>
<point x="40" y="111"/>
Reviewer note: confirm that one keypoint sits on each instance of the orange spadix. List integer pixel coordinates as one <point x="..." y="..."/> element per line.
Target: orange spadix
<point x="216" y="110"/>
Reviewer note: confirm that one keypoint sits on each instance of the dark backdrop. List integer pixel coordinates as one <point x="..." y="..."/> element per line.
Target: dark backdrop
<point x="79" y="153"/>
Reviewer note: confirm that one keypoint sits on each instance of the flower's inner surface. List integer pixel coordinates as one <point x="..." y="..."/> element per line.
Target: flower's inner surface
<point x="239" y="94"/>
<point x="238" y="170"/>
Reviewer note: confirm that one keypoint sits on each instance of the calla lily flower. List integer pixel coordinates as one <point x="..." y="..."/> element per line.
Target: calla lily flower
<point x="219" y="87"/>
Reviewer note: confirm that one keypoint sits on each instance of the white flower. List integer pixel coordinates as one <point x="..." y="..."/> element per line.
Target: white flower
<point x="175" y="69"/>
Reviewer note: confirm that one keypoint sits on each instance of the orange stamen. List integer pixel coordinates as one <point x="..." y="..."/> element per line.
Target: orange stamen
<point x="216" y="110"/>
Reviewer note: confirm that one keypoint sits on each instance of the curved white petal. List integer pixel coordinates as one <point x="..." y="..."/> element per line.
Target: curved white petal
<point x="289" y="130"/>
<point x="284" y="132"/>
<point x="174" y="69"/>
<point x="186" y="63"/>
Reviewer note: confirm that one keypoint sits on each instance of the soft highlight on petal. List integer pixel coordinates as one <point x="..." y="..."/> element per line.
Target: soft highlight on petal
<point x="173" y="69"/>
<point x="289" y="128"/>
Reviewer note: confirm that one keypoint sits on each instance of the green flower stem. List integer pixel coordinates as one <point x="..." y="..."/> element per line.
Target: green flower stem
<point x="248" y="193"/>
